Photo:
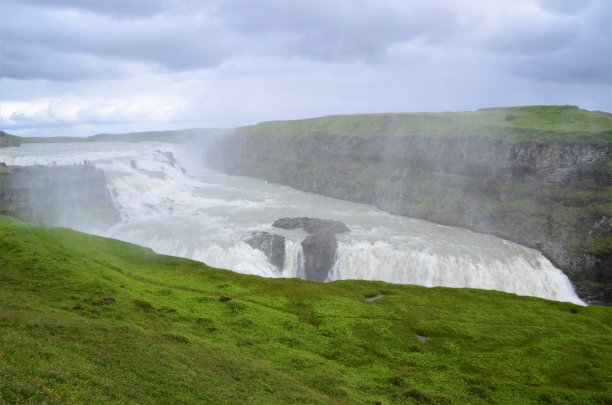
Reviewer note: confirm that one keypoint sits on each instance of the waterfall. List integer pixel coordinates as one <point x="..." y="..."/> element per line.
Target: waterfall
<point x="174" y="207"/>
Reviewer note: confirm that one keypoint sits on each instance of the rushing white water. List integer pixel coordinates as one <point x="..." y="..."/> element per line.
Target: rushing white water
<point x="178" y="208"/>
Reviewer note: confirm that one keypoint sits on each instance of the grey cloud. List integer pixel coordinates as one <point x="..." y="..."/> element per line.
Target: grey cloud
<point x="338" y="29"/>
<point x="239" y="61"/>
<point x="580" y="66"/>
<point x="26" y="62"/>
<point x="178" y="36"/>
<point x="570" y="48"/>
<point x="564" y="6"/>
<point x="115" y="8"/>
<point x="531" y="39"/>
<point x="170" y="43"/>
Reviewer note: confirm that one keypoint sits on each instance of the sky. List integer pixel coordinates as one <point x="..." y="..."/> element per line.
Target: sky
<point x="81" y="67"/>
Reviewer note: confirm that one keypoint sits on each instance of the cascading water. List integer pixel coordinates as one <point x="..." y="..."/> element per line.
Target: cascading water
<point x="177" y="208"/>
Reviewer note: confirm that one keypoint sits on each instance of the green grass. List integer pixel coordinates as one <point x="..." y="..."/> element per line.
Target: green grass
<point x="546" y="123"/>
<point x="530" y="123"/>
<point x="179" y="331"/>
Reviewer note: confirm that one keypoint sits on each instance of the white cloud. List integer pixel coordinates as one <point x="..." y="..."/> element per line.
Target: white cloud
<point x="73" y="111"/>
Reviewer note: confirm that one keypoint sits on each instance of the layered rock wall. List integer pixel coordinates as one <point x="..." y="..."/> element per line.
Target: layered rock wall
<point x="70" y="196"/>
<point x="7" y="141"/>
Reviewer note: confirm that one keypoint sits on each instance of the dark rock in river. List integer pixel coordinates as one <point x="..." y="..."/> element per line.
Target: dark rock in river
<point x="312" y="225"/>
<point x="319" y="256"/>
<point x="319" y="248"/>
<point x="273" y="246"/>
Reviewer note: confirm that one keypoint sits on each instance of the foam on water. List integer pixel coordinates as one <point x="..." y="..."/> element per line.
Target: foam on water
<point x="204" y="215"/>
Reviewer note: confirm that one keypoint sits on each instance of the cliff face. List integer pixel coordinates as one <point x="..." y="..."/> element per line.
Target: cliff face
<point x="7" y="140"/>
<point x="551" y="196"/>
<point x="74" y="196"/>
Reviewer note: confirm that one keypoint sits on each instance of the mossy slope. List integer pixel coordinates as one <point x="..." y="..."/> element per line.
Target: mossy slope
<point x="88" y="319"/>
<point x="546" y="123"/>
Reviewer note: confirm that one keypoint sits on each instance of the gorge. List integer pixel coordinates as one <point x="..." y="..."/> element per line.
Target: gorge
<point x="550" y="193"/>
<point x="539" y="176"/>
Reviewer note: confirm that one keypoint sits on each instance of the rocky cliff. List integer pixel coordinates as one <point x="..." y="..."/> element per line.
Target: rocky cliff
<point x="542" y="187"/>
<point x="7" y="140"/>
<point x="74" y="196"/>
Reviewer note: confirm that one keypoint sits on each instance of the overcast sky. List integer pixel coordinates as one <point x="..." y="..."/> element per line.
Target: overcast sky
<point x="73" y="67"/>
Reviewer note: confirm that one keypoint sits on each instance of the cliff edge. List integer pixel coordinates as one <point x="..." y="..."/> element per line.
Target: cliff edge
<point x="69" y="196"/>
<point x="7" y="140"/>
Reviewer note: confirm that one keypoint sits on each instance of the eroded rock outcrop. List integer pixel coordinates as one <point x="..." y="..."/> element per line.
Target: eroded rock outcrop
<point x="312" y="225"/>
<point x="319" y="252"/>
<point x="319" y="249"/>
<point x="72" y="196"/>
<point x="7" y="141"/>
<point x="273" y="246"/>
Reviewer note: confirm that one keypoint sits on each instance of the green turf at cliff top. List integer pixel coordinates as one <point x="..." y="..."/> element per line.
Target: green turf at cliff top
<point x="85" y="319"/>
<point x="514" y="124"/>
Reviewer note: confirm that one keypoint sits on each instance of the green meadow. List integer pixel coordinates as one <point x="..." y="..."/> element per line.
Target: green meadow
<point x="568" y="124"/>
<point x="84" y="319"/>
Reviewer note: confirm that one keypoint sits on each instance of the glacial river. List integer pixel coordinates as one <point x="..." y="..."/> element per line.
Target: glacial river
<point x="169" y="202"/>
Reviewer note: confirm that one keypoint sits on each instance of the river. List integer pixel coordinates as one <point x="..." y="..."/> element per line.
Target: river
<point x="169" y="202"/>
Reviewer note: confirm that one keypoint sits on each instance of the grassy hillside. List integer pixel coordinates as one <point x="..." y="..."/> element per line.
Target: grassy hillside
<point x="88" y="319"/>
<point x="530" y="123"/>
<point x="527" y="123"/>
<point x="7" y="140"/>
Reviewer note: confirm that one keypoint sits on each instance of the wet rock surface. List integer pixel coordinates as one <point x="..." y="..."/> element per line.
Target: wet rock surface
<point x="273" y="246"/>
<point x="312" y="225"/>
<point x="319" y="248"/>
<point x="319" y="252"/>
<point x="7" y="141"/>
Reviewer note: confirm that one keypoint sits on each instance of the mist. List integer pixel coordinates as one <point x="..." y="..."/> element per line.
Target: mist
<point x="167" y="198"/>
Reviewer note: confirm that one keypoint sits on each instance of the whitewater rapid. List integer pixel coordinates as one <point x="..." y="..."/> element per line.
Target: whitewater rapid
<point x="169" y="203"/>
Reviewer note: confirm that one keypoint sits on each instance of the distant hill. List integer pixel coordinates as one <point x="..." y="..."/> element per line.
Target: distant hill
<point x="546" y="123"/>
<point x="7" y="140"/>
<point x="173" y="136"/>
